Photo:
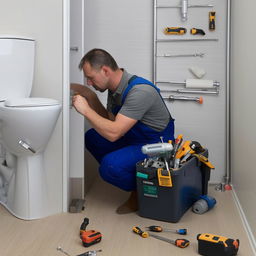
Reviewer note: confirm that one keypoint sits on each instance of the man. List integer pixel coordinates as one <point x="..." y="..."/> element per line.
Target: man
<point x="136" y="115"/>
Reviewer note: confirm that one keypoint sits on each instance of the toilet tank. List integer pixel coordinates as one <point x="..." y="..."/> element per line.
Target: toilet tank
<point x="16" y="66"/>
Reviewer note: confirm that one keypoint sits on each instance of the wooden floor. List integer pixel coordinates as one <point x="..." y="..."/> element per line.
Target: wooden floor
<point x="42" y="237"/>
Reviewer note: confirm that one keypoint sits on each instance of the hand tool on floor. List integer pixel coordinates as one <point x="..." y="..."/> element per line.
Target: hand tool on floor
<point x="89" y="253"/>
<point x="61" y="250"/>
<point x="89" y="237"/>
<point x="154" y="228"/>
<point x="212" y="16"/>
<point x="204" y="204"/>
<point x="181" y="243"/>
<point x="138" y="231"/>
<point x="184" y="98"/>
<point x="175" y="31"/>
<point x="197" y="31"/>
<point x="212" y="245"/>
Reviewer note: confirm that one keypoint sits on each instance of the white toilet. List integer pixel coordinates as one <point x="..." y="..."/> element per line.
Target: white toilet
<point x="26" y="125"/>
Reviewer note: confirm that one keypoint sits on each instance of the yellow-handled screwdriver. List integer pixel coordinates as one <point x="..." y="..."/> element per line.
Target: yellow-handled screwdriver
<point x="138" y="231"/>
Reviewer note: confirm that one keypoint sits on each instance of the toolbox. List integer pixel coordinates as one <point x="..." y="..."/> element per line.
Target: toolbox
<point x="169" y="203"/>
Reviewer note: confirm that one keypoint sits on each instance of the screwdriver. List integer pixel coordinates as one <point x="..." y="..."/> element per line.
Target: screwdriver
<point x="175" y="31"/>
<point x="181" y="231"/>
<point x="138" y="231"/>
<point x="181" y="243"/>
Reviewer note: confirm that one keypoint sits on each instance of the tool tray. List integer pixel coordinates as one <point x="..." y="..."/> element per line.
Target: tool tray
<point x="170" y="203"/>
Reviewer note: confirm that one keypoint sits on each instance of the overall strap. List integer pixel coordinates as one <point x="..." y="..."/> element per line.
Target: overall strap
<point x="134" y="80"/>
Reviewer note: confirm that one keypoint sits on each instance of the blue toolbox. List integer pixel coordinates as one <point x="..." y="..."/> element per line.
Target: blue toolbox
<point x="167" y="196"/>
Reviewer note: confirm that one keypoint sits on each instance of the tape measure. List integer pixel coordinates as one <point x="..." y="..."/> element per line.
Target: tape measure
<point x="213" y="245"/>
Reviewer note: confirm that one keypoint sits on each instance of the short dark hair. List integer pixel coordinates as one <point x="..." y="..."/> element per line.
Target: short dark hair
<point x="98" y="58"/>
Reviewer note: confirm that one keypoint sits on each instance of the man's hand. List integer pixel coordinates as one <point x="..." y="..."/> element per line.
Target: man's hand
<point x="81" y="105"/>
<point x="82" y="90"/>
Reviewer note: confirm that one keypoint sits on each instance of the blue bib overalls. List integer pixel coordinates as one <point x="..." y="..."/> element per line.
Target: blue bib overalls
<point x="118" y="159"/>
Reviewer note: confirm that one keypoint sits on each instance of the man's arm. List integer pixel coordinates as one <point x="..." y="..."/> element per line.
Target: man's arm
<point x="111" y="130"/>
<point x="92" y="99"/>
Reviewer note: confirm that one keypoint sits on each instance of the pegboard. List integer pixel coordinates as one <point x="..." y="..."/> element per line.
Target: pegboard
<point x="206" y="123"/>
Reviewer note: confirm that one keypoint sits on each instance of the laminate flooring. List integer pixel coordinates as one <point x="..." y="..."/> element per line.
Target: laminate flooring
<point x="42" y="237"/>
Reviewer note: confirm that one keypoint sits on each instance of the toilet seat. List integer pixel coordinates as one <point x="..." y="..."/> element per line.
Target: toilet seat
<point x="30" y="102"/>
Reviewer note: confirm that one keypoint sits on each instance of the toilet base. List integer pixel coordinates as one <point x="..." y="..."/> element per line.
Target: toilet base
<point x="27" y="192"/>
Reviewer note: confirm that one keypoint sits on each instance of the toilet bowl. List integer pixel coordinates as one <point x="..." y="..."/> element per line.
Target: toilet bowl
<point x="26" y="125"/>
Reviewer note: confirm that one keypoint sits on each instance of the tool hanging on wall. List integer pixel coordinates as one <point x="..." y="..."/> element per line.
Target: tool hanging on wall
<point x="212" y="16"/>
<point x="197" y="31"/>
<point x="196" y="54"/>
<point x="201" y="86"/>
<point x="192" y="91"/>
<point x="175" y="31"/>
<point x="184" y="98"/>
<point x="184" y="8"/>
<point x="196" y="83"/>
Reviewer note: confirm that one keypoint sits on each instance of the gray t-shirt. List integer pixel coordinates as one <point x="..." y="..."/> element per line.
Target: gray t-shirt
<point x="142" y="103"/>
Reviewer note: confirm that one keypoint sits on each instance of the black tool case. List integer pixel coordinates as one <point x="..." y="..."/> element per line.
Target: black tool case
<point x="169" y="203"/>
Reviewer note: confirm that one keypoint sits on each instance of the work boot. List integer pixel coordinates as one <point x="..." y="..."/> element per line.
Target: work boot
<point x="131" y="205"/>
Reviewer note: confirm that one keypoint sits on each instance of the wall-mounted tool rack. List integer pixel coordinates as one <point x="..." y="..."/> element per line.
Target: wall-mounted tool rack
<point x="191" y="43"/>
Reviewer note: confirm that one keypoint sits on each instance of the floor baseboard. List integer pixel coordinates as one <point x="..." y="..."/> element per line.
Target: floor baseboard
<point x="245" y="222"/>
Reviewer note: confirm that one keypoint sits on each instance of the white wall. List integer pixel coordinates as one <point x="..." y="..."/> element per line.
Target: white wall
<point x="124" y="28"/>
<point x="243" y="106"/>
<point x="42" y="20"/>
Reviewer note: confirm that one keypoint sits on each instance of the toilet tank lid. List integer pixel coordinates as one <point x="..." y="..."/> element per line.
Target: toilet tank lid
<point x="30" y="102"/>
<point x="18" y="37"/>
